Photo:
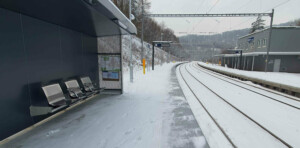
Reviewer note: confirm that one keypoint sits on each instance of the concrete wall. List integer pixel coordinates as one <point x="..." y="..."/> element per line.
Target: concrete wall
<point x="32" y="53"/>
<point x="253" y="46"/>
<point x="289" y="63"/>
<point x="283" y="40"/>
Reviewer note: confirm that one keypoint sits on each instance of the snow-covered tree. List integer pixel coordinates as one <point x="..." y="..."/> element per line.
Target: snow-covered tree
<point x="152" y="29"/>
<point x="257" y="25"/>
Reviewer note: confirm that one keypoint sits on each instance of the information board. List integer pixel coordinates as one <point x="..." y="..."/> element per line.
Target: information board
<point x="110" y="67"/>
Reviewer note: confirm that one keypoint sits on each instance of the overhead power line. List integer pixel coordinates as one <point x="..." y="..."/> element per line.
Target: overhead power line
<point x="200" y="5"/>
<point x="280" y="4"/>
<point x="246" y="4"/>
<point x="210" y="15"/>
<point x="213" y="6"/>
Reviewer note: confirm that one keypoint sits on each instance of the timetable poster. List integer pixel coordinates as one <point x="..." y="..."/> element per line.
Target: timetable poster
<point x="110" y="76"/>
<point x="110" y="67"/>
<point x="110" y="63"/>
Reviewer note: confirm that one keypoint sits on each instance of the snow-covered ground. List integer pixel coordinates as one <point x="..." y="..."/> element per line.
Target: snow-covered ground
<point x="152" y="113"/>
<point x="290" y="79"/>
<point x="277" y="118"/>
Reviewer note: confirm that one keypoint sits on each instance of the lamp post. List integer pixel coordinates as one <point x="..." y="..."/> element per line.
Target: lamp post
<point x="269" y="41"/>
<point x="130" y="47"/>
<point x="142" y="35"/>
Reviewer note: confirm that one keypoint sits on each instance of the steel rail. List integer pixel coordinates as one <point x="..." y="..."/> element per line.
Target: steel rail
<point x="284" y="95"/>
<point x="222" y="130"/>
<point x="271" y="133"/>
<point x="250" y="90"/>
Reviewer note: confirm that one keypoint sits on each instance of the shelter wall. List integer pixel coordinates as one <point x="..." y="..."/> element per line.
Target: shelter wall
<point x="32" y="53"/>
<point x="110" y="63"/>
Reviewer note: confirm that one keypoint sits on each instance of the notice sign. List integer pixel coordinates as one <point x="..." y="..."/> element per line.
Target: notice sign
<point x="110" y="67"/>
<point x="110" y="63"/>
<point x="110" y="76"/>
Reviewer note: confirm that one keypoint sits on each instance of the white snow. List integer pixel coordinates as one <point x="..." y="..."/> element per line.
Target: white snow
<point x="290" y="79"/>
<point x="147" y="115"/>
<point x="213" y="135"/>
<point x="257" y="88"/>
<point x="280" y="119"/>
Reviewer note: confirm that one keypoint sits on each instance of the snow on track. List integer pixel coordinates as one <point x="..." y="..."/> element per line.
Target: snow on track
<point x="290" y="79"/>
<point x="277" y="96"/>
<point x="283" y="120"/>
<point x="214" y="136"/>
<point x="249" y="83"/>
<point x="278" y="118"/>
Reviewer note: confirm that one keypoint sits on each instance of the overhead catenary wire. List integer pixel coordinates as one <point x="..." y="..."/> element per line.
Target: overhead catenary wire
<point x="243" y="5"/>
<point x="206" y="13"/>
<point x="193" y="28"/>
<point x="278" y="5"/>
<point x="213" y="6"/>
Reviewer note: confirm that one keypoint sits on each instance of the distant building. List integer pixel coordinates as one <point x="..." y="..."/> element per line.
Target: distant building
<point x="284" y="55"/>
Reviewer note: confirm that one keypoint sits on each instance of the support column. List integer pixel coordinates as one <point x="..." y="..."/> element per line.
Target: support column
<point x="121" y="65"/>
<point x="130" y="47"/>
<point x="269" y="41"/>
<point x="253" y="62"/>
<point x="238" y="63"/>
<point x="152" y="56"/>
<point x="234" y="61"/>
<point x="241" y="59"/>
<point x="244" y="63"/>
<point x="142" y="35"/>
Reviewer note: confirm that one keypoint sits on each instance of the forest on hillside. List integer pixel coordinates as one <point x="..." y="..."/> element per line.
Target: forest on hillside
<point x="153" y="31"/>
<point x="225" y="40"/>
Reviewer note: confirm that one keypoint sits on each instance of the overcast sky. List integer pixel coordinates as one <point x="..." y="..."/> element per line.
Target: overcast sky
<point x="285" y="10"/>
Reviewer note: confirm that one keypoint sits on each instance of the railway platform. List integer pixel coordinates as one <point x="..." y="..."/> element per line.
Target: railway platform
<point x="144" y="116"/>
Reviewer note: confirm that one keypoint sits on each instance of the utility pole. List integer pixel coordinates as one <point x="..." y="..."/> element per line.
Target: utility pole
<point x="142" y="39"/>
<point x="213" y="53"/>
<point x="130" y="48"/>
<point x="269" y="40"/>
<point x="153" y="46"/>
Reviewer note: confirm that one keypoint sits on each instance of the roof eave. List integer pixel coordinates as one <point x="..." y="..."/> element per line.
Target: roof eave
<point x="123" y="21"/>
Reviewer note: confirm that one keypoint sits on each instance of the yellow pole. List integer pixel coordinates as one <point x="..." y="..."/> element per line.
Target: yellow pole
<point x="144" y="65"/>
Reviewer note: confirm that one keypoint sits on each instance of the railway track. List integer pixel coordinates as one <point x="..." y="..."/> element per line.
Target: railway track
<point x="214" y="120"/>
<point x="184" y="68"/>
<point x="262" y="88"/>
<point x="278" y="92"/>
<point x="213" y="74"/>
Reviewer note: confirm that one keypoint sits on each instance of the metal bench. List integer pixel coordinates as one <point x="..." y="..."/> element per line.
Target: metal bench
<point x="89" y="86"/>
<point x="55" y="98"/>
<point x="75" y="90"/>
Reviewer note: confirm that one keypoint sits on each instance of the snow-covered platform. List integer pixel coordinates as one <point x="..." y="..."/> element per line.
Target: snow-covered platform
<point x="152" y="112"/>
<point x="281" y="80"/>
